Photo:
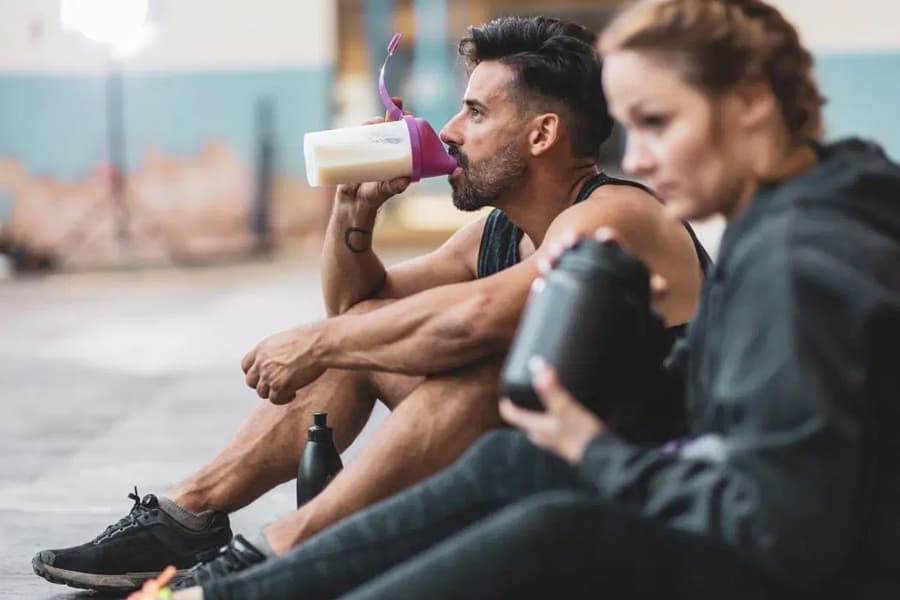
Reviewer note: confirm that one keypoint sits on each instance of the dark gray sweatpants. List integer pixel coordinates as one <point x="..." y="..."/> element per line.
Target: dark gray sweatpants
<point x="507" y="520"/>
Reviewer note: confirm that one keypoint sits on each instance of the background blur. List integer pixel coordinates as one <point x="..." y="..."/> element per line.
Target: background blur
<point x="155" y="220"/>
<point x="171" y="131"/>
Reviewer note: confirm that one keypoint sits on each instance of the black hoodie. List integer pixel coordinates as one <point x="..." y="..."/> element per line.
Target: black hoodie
<point x="792" y="385"/>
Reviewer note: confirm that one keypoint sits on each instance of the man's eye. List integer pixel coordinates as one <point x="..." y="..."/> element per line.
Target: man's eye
<point x="474" y="112"/>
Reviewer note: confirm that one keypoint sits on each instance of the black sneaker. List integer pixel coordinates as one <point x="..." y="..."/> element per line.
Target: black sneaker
<point x="135" y="549"/>
<point x="238" y="555"/>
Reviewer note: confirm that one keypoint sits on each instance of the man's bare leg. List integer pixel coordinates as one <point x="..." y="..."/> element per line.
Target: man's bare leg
<point x="266" y="449"/>
<point x="427" y="431"/>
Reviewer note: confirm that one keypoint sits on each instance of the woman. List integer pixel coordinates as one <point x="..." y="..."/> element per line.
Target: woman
<point x="788" y="484"/>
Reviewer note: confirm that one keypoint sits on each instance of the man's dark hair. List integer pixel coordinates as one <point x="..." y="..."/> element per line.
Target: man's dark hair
<point x="556" y="67"/>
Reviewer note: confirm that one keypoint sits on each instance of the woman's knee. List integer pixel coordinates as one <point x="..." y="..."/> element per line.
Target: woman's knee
<point x="508" y="454"/>
<point x="556" y="511"/>
<point x="498" y="446"/>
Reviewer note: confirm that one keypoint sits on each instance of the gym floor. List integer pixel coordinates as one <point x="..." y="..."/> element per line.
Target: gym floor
<point x="122" y="378"/>
<point x="117" y="379"/>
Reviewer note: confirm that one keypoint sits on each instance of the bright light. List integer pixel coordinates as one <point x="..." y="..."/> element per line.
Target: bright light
<point x="119" y="24"/>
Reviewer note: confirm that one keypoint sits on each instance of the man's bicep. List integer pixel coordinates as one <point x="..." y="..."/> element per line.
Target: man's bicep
<point x="662" y="244"/>
<point x="625" y="210"/>
<point x="453" y="262"/>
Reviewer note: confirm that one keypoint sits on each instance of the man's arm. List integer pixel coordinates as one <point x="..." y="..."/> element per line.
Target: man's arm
<point x="352" y="272"/>
<point x="453" y="325"/>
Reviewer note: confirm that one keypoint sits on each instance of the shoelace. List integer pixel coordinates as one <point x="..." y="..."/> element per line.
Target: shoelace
<point x="126" y="522"/>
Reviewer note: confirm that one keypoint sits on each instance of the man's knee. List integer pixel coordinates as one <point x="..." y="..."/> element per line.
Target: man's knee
<point x="483" y="372"/>
<point x="473" y="389"/>
<point x="391" y="388"/>
<point x="477" y="383"/>
<point x="334" y="383"/>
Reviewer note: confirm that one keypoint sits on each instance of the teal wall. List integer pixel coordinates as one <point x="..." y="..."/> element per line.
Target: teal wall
<point x="55" y="124"/>
<point x="863" y="92"/>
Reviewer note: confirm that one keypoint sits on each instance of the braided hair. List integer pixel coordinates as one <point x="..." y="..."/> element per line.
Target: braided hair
<point x="717" y="44"/>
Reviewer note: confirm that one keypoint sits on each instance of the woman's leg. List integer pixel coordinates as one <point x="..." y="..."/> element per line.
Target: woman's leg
<point x="498" y="470"/>
<point x="568" y="544"/>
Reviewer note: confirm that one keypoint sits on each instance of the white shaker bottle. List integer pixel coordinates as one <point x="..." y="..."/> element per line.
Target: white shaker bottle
<point x="406" y="147"/>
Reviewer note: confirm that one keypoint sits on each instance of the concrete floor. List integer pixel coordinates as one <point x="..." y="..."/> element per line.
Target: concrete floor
<point x="111" y="380"/>
<point x="119" y="379"/>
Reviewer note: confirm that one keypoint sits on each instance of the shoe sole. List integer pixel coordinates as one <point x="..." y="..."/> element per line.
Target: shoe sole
<point x="90" y="581"/>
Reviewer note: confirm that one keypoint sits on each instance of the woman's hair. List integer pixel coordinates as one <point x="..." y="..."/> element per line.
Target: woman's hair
<point x="556" y="65"/>
<point x="716" y="44"/>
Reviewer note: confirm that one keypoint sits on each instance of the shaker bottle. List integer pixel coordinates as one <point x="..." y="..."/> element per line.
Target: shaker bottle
<point x="404" y="147"/>
<point x="589" y="322"/>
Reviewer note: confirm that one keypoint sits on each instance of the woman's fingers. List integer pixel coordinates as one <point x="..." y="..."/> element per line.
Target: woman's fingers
<point x="539" y="427"/>
<point x="564" y="243"/>
<point x="546" y="384"/>
<point x="659" y="287"/>
<point x="608" y="235"/>
<point x="518" y="417"/>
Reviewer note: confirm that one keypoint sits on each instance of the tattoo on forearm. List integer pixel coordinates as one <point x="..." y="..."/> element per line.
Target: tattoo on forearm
<point x="366" y="241"/>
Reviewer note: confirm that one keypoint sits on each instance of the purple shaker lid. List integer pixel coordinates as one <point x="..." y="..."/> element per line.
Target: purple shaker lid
<point x="429" y="157"/>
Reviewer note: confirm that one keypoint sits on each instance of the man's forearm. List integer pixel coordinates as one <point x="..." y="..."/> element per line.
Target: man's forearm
<point x="431" y="332"/>
<point x="351" y="271"/>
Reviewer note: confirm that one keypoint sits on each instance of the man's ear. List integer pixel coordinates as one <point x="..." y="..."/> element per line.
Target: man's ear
<point x="545" y="131"/>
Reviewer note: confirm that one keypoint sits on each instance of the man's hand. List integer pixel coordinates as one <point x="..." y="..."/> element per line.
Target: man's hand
<point x="373" y="194"/>
<point x="283" y="363"/>
<point x="565" y="428"/>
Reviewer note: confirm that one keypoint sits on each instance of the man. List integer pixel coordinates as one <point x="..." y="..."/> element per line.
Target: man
<point x="426" y="337"/>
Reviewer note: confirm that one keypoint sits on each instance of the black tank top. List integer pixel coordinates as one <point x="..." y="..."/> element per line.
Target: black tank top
<point x="500" y="239"/>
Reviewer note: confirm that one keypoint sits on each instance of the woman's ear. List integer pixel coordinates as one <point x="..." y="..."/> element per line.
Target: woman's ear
<point x="758" y="105"/>
<point x="545" y="132"/>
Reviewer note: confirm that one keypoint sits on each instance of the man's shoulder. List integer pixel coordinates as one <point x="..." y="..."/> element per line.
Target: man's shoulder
<point x="624" y="195"/>
<point x="617" y="204"/>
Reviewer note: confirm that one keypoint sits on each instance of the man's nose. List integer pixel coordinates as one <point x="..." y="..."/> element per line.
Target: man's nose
<point x="450" y="132"/>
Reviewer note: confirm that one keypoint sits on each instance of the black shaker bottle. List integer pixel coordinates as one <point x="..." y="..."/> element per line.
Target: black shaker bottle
<point x="320" y="461"/>
<point x="590" y="321"/>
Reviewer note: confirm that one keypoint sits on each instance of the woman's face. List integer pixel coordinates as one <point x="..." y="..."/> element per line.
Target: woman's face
<point x="683" y="143"/>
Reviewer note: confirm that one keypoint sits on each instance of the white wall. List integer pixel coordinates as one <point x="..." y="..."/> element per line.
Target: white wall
<point x="845" y="25"/>
<point x="190" y="35"/>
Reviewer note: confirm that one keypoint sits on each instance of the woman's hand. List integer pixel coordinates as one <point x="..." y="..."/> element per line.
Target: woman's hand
<point x="659" y="287"/>
<point x="565" y="428"/>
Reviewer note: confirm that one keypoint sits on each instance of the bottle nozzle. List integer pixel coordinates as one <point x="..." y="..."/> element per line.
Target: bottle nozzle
<point x="320" y="419"/>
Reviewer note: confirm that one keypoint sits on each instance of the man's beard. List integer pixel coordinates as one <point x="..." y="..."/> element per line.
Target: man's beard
<point x="483" y="183"/>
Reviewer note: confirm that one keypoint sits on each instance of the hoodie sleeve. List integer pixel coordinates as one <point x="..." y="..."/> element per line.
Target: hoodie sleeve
<point x="775" y="469"/>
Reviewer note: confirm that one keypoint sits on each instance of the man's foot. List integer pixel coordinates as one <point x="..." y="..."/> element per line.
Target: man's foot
<point x="238" y="555"/>
<point x="137" y="547"/>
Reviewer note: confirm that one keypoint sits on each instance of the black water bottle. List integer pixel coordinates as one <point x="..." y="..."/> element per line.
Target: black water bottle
<point x="589" y="321"/>
<point x="320" y="461"/>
